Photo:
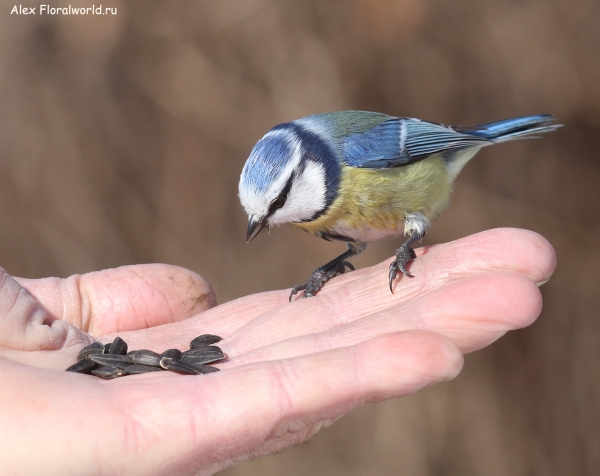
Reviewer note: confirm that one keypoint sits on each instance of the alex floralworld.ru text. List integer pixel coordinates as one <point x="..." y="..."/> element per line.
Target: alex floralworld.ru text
<point x="70" y="10"/>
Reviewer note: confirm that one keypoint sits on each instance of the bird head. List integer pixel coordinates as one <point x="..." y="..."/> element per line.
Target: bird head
<point x="283" y="180"/>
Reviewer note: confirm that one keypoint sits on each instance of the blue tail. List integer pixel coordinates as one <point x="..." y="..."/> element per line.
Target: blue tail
<point x="511" y="129"/>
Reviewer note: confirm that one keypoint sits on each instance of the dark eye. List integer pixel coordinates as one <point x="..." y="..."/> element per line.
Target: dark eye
<point x="281" y="199"/>
<point x="278" y="203"/>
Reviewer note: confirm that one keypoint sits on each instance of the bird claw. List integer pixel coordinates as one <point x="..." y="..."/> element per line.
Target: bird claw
<point x="320" y="277"/>
<point x="310" y="288"/>
<point x="343" y="265"/>
<point x="404" y="255"/>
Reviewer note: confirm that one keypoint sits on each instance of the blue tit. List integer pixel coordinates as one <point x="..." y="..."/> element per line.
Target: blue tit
<point x="359" y="176"/>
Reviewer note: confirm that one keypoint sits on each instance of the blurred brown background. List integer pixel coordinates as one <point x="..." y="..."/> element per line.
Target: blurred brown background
<point x="122" y="138"/>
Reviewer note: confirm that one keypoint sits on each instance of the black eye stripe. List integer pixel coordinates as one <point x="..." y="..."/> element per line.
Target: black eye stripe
<point x="279" y="202"/>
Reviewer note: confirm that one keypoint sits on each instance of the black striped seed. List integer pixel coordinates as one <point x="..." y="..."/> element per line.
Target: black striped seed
<point x="179" y="366"/>
<point x="94" y="348"/>
<point x="108" y="372"/>
<point x="211" y="353"/>
<point x="143" y="357"/>
<point x="83" y="366"/>
<point x="207" y="369"/>
<point x="118" y="347"/>
<point x="204" y="340"/>
<point x="110" y="360"/>
<point x="199" y="359"/>
<point x="141" y="369"/>
<point x="172" y="354"/>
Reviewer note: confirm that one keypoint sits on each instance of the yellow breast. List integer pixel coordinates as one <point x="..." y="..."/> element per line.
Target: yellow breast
<point x="378" y="200"/>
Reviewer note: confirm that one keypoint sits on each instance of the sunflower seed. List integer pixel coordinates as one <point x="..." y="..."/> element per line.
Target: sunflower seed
<point x="110" y="360"/>
<point x="143" y="357"/>
<point x="93" y="349"/>
<point x="83" y="366"/>
<point x="206" y="369"/>
<point x="204" y="340"/>
<point x="118" y="347"/>
<point x="108" y="372"/>
<point x="141" y="369"/>
<point x="199" y="359"/>
<point x="209" y="354"/>
<point x="205" y="350"/>
<point x="172" y="354"/>
<point x="179" y="366"/>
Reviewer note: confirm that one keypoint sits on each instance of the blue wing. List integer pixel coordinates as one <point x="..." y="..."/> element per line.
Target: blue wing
<point x="427" y="138"/>
<point x="377" y="148"/>
<point x="402" y="141"/>
<point x="377" y="141"/>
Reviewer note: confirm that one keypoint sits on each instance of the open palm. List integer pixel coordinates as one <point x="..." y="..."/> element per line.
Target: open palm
<point x="291" y="369"/>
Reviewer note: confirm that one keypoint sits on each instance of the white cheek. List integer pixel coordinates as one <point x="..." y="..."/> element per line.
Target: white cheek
<point x="306" y="197"/>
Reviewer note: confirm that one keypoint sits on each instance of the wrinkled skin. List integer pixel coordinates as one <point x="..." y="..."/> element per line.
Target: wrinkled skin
<point x="293" y="367"/>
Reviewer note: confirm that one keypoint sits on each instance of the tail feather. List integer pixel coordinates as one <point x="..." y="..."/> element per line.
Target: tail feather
<point x="511" y="129"/>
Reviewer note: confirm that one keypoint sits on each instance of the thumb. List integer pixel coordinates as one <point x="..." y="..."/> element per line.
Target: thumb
<point x="24" y="323"/>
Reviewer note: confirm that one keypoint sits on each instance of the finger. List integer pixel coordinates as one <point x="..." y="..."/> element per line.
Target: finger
<point x="186" y="423"/>
<point x="522" y="251"/>
<point x="473" y="313"/>
<point x="255" y="321"/>
<point x="126" y="298"/>
<point x="25" y="324"/>
<point x="299" y="395"/>
<point x="510" y="249"/>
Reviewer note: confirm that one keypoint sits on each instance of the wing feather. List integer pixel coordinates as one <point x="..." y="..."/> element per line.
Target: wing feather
<point x="402" y="141"/>
<point x="372" y="140"/>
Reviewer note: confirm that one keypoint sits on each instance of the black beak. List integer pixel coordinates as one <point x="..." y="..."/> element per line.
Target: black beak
<point x="255" y="226"/>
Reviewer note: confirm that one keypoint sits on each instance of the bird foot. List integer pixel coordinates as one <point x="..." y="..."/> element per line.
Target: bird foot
<point x="404" y="255"/>
<point x="319" y="277"/>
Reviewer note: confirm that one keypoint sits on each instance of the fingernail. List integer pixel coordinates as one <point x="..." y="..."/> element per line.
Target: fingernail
<point x="543" y="281"/>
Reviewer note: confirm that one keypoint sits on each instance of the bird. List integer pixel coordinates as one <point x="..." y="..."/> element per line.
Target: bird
<point x="360" y="176"/>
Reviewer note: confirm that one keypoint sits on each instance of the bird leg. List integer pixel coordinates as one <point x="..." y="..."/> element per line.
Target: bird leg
<point x="403" y="256"/>
<point x="330" y="270"/>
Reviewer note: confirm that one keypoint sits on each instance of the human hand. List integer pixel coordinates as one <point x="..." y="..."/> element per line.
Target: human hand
<point x="292" y="369"/>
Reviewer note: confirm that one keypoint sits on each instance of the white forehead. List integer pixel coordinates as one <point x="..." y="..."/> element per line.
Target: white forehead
<point x="267" y="170"/>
